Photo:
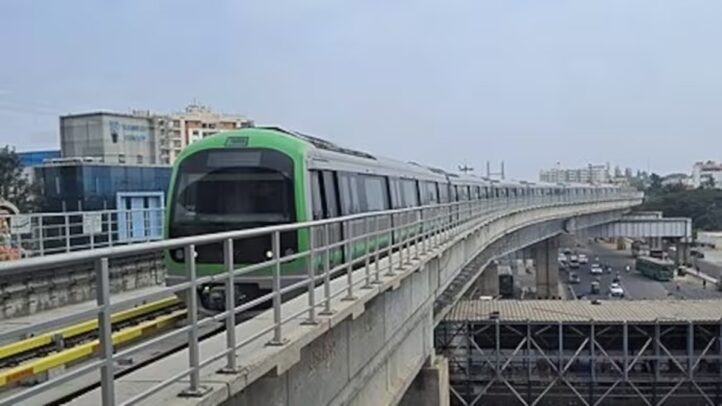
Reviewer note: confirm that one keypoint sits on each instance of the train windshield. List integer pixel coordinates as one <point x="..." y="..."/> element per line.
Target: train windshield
<point x="226" y="190"/>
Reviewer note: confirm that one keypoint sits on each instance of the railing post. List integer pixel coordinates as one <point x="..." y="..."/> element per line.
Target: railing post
<point x="67" y="233"/>
<point x="389" y="247"/>
<point x="311" y="278"/>
<point x="110" y="228"/>
<point x="402" y="237"/>
<point x="105" y="331"/>
<point x="92" y="236"/>
<point x="41" y="237"/>
<point x="231" y="360"/>
<point x="419" y="227"/>
<point x="367" y="254"/>
<point x="195" y="389"/>
<point x="377" y="249"/>
<point x="327" y="273"/>
<point x="427" y="231"/>
<point x="349" y="263"/>
<point x="277" y="316"/>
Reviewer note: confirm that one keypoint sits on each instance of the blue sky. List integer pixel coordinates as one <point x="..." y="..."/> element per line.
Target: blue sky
<point x="637" y="83"/>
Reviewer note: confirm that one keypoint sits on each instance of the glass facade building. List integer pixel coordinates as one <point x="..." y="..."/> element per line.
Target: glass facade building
<point x="97" y="186"/>
<point x="34" y="158"/>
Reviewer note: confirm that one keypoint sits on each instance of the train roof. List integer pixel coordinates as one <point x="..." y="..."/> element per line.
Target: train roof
<point x="327" y="155"/>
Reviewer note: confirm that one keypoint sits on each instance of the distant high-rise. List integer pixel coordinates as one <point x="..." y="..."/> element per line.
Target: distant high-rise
<point x="589" y="174"/>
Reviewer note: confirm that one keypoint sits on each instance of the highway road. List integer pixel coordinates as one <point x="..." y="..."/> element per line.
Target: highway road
<point x="635" y="285"/>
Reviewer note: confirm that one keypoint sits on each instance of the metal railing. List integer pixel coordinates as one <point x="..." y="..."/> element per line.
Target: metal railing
<point x="40" y="234"/>
<point x="375" y="244"/>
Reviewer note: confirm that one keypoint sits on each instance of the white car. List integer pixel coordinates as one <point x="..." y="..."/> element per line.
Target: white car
<point x="583" y="259"/>
<point x="615" y="290"/>
<point x="596" y="269"/>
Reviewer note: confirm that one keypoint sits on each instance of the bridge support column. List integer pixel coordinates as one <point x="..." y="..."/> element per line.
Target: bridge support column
<point x="547" y="268"/>
<point x="431" y="386"/>
<point x="621" y="244"/>
<point x="488" y="282"/>
<point x="682" y="253"/>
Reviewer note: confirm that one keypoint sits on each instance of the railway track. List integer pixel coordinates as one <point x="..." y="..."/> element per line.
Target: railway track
<point x="30" y="360"/>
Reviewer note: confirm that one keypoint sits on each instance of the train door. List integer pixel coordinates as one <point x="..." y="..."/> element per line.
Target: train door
<point x="329" y="199"/>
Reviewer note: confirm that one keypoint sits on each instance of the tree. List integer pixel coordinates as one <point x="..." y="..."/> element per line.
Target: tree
<point x="14" y="184"/>
<point x="703" y="206"/>
<point x="655" y="182"/>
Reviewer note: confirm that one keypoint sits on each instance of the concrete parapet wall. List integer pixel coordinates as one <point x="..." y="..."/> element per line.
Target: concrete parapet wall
<point x="374" y="358"/>
<point x="26" y="294"/>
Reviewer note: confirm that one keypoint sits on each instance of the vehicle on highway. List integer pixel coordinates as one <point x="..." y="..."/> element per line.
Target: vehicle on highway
<point x="256" y="177"/>
<point x="657" y="269"/>
<point x="583" y="259"/>
<point x="596" y="269"/>
<point x="573" y="261"/>
<point x="574" y="278"/>
<point x="616" y="290"/>
<point x="594" y="288"/>
<point x="617" y="278"/>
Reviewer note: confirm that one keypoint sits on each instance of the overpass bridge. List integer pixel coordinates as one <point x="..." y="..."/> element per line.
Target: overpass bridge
<point x="352" y="332"/>
<point x="576" y="352"/>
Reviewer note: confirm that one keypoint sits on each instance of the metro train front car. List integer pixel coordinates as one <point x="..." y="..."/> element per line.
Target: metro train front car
<point x="233" y="181"/>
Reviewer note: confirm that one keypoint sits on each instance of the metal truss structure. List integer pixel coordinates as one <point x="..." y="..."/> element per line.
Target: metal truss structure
<point x="497" y="362"/>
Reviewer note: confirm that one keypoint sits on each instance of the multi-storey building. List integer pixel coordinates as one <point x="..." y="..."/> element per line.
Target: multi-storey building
<point x="588" y="174"/>
<point x="141" y="137"/>
<point x="707" y="173"/>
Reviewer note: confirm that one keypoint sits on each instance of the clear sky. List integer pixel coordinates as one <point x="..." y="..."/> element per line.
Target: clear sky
<point x="638" y="83"/>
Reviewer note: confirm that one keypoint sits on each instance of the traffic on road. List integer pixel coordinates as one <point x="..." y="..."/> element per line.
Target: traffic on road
<point x="605" y="273"/>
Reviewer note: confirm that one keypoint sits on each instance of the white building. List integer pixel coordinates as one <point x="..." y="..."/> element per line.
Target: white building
<point x="705" y="172"/>
<point x="589" y="174"/>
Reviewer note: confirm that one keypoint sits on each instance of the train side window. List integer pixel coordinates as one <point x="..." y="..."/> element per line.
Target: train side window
<point x="375" y="193"/>
<point x="358" y="203"/>
<point x="409" y="192"/>
<point x="423" y="193"/>
<point x="394" y="191"/>
<point x="431" y="196"/>
<point x="330" y="195"/>
<point x="463" y="193"/>
<point x="443" y="192"/>
<point x="344" y="188"/>
<point x="316" y="200"/>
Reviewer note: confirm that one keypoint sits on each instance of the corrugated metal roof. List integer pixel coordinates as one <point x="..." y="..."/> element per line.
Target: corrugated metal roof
<point x="609" y="311"/>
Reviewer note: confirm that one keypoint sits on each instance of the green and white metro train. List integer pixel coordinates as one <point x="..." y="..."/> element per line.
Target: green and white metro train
<point x="258" y="177"/>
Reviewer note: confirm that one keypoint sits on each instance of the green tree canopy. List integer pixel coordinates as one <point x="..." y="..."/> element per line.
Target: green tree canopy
<point x="703" y="206"/>
<point x="14" y="185"/>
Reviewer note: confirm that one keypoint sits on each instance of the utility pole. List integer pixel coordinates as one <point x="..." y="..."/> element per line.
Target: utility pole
<point x="500" y="174"/>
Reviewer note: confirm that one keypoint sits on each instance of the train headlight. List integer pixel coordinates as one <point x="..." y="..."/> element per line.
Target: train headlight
<point x="178" y="254"/>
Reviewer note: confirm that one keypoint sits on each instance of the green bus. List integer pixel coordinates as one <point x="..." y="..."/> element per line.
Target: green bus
<point x="657" y="269"/>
